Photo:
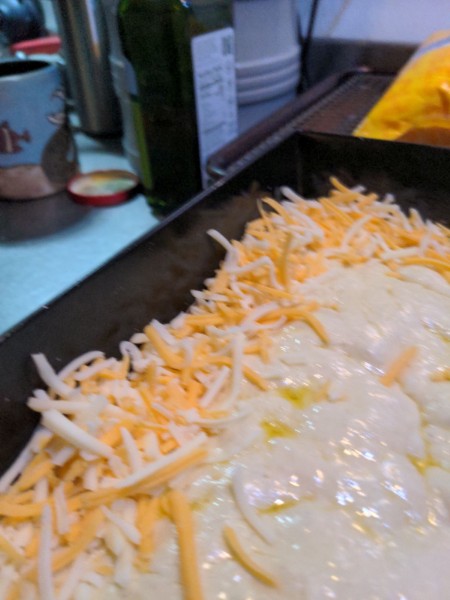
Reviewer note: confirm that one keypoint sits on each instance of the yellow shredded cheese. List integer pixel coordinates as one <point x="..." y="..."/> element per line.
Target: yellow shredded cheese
<point x="20" y="511"/>
<point x="245" y="560"/>
<point x="182" y="517"/>
<point x="398" y="365"/>
<point x="13" y="591"/>
<point x="10" y="550"/>
<point x="146" y="517"/>
<point x="441" y="375"/>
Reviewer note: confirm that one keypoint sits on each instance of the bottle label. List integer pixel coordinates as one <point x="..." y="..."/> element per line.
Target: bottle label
<point x="213" y="59"/>
<point x="130" y="78"/>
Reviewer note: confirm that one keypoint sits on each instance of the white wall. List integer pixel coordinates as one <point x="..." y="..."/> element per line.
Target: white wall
<point x="407" y="21"/>
<point x="49" y="13"/>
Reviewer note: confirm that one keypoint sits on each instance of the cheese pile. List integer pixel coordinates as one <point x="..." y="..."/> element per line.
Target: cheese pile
<point x="122" y="442"/>
<point x="415" y="107"/>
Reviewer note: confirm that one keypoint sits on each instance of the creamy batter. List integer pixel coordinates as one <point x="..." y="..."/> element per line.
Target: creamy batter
<point x="351" y="477"/>
<point x="301" y="407"/>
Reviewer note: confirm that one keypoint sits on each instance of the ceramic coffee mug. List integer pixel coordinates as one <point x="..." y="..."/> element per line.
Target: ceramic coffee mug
<point x="37" y="153"/>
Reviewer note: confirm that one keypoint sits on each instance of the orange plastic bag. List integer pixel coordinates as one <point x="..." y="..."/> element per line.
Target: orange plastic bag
<point x="416" y="107"/>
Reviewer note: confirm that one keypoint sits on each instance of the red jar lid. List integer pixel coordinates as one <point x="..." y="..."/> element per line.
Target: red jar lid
<point x="45" y="45"/>
<point x="103" y="188"/>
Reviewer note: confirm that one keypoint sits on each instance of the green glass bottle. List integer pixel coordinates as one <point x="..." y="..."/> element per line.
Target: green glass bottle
<point x="182" y="55"/>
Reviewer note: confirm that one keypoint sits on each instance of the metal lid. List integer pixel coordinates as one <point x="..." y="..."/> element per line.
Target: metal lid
<point x="103" y="188"/>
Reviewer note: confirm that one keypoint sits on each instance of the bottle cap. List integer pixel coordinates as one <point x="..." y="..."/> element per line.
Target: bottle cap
<point x="44" y="45"/>
<point x="103" y="188"/>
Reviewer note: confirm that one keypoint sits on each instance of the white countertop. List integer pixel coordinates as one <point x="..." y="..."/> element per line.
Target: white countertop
<point x="41" y="260"/>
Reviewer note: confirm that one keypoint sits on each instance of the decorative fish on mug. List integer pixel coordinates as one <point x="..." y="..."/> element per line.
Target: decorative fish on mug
<point x="9" y="139"/>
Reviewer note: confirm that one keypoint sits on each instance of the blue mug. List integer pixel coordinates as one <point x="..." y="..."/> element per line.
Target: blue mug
<point x="37" y="151"/>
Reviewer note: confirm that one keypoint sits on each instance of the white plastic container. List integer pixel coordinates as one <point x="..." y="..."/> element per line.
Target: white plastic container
<point x="268" y="63"/>
<point x="257" y="103"/>
<point x="267" y="57"/>
<point x="254" y="82"/>
<point x="264" y="28"/>
<point x="257" y="111"/>
<point x="268" y="92"/>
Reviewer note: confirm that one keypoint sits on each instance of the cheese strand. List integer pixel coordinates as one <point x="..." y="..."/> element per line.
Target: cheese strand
<point x="246" y="561"/>
<point x="182" y="517"/>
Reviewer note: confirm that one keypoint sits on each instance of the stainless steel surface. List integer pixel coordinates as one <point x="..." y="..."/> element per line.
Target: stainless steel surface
<point x="82" y="27"/>
<point x="329" y="55"/>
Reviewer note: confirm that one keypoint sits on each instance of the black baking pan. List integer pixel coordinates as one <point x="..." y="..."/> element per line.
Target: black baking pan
<point x="154" y="276"/>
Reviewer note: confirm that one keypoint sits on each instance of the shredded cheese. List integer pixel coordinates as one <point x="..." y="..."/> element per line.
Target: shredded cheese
<point x="10" y="550"/>
<point x="66" y="429"/>
<point x="19" y="464"/>
<point x="116" y="433"/>
<point x="78" y="362"/>
<point x="396" y="368"/>
<point x="245" y="560"/>
<point x="165" y="461"/>
<point x="86" y="533"/>
<point x="129" y="530"/>
<point x="45" y="581"/>
<point x="73" y="578"/>
<point x="62" y="517"/>
<point x="184" y="522"/>
<point x="441" y="375"/>
<point x="247" y="512"/>
<point x="48" y="375"/>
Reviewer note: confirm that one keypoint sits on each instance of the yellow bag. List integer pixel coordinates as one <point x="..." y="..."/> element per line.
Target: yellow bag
<point x="416" y="107"/>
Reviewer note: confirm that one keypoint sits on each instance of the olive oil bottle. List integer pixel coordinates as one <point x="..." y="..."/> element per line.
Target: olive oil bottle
<point x="182" y="56"/>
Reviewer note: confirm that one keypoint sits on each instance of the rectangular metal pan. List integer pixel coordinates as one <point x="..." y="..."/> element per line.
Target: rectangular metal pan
<point x="153" y="277"/>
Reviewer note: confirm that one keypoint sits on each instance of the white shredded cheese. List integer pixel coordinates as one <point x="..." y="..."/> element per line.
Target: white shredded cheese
<point x="124" y="566"/>
<point x="73" y="434"/>
<point x="129" y="531"/>
<point x="133" y="453"/>
<point x="129" y="349"/>
<point x="162" y="410"/>
<point x="73" y="578"/>
<point x="151" y="446"/>
<point x="118" y="467"/>
<point x="162" y="462"/>
<point x="78" y="362"/>
<point x="41" y="490"/>
<point x="39" y="436"/>
<point x="246" y="510"/>
<point x="94" y="579"/>
<point x="94" y="369"/>
<point x="62" y="517"/>
<point x="222" y="421"/>
<point x="257" y="313"/>
<point x="237" y="368"/>
<point x="90" y="478"/>
<point x="164" y="333"/>
<point x="114" y="539"/>
<point x="44" y="560"/>
<point x="48" y="375"/>
<point x="215" y="388"/>
<point x="232" y="254"/>
<point x="60" y="457"/>
<point x="353" y="231"/>
<point x="68" y="407"/>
